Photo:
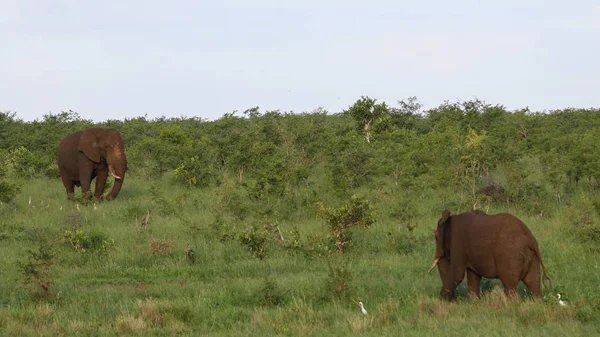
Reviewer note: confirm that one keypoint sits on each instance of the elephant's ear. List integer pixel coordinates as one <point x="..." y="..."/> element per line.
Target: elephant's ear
<point x="89" y="145"/>
<point x="445" y="217"/>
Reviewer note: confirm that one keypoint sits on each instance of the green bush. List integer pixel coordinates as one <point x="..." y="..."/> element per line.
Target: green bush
<point x="51" y="171"/>
<point x="8" y="191"/>
<point x="356" y="212"/>
<point x="82" y="243"/>
<point x="25" y="163"/>
<point x="4" y="161"/>
<point x="195" y="172"/>
<point x="36" y="271"/>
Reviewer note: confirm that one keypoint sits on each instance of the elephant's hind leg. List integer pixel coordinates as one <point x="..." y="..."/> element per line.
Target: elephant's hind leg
<point x="510" y="286"/>
<point x="473" y="284"/>
<point x="532" y="279"/>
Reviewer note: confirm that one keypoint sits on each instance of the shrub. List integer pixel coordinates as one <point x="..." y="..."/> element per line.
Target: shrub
<point x="4" y="161"/>
<point x="356" y="212"/>
<point x="51" y="171"/>
<point x="82" y="243"/>
<point x="339" y="283"/>
<point x="584" y="216"/>
<point x="271" y="293"/>
<point x="189" y="253"/>
<point x="533" y="198"/>
<point x="161" y="247"/>
<point x="194" y="172"/>
<point x="256" y="238"/>
<point x="36" y="271"/>
<point x="8" y="191"/>
<point x="26" y="163"/>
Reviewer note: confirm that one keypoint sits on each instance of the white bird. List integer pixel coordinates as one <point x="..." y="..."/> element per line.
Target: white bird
<point x="77" y="206"/>
<point x="30" y="200"/>
<point x="561" y="302"/>
<point x="362" y="308"/>
<point x="95" y="208"/>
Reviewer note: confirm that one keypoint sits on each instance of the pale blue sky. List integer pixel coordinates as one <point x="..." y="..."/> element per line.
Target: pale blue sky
<point x="116" y="59"/>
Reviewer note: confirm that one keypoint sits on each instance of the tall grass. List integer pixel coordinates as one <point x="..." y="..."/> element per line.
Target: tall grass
<point x="225" y="290"/>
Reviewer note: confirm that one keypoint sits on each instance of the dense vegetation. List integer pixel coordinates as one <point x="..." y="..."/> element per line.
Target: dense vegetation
<point x="275" y="223"/>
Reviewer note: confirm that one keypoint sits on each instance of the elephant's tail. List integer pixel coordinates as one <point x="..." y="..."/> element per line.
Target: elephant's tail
<point x="548" y="285"/>
<point x="545" y="279"/>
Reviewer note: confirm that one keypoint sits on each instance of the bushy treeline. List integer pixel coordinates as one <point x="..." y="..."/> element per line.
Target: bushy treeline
<point x="333" y="209"/>
<point x="483" y="153"/>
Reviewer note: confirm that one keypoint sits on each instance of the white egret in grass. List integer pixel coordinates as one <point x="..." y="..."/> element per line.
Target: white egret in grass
<point x="30" y="200"/>
<point x="561" y="302"/>
<point x="362" y="308"/>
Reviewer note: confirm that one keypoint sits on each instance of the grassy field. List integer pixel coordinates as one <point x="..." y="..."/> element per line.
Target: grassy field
<point x="176" y="273"/>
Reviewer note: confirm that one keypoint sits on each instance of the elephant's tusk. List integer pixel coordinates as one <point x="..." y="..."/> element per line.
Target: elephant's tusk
<point x="434" y="264"/>
<point x="111" y="170"/>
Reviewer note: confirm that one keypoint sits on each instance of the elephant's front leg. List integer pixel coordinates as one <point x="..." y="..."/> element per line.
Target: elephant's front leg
<point x="101" y="177"/>
<point x="86" y="170"/>
<point x="69" y="186"/>
<point x="473" y="284"/>
<point x="454" y="277"/>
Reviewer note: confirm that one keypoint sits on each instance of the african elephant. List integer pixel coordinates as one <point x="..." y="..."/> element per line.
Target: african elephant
<point x="491" y="246"/>
<point x="92" y="153"/>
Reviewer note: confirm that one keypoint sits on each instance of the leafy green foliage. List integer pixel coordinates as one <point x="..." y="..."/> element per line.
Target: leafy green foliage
<point x="25" y="163"/>
<point x="585" y="216"/>
<point x="36" y="271"/>
<point x="367" y="115"/>
<point x="356" y="212"/>
<point x="82" y="243"/>
<point x="351" y="167"/>
<point x="8" y="191"/>
<point x="256" y="238"/>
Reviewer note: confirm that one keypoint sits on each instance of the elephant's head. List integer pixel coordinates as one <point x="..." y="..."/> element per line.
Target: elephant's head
<point x="442" y="252"/>
<point x="442" y="247"/>
<point x="106" y="146"/>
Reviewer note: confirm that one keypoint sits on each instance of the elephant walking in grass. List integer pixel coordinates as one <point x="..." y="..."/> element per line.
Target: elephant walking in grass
<point x="92" y="153"/>
<point x="491" y="246"/>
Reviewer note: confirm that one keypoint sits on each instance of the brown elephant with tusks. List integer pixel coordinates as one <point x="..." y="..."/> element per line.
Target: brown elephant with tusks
<point x="491" y="246"/>
<point x="92" y="153"/>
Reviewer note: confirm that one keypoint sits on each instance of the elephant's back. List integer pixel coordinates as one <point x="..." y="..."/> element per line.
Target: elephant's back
<point x="67" y="149"/>
<point x="511" y="231"/>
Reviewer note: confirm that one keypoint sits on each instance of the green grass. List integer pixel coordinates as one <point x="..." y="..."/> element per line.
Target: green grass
<point x="131" y="291"/>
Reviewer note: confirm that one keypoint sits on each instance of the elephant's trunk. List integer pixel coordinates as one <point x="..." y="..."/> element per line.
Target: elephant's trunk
<point x="116" y="188"/>
<point x="117" y="165"/>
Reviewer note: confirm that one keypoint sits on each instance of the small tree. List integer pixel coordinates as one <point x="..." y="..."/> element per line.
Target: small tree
<point x="366" y="114"/>
<point x="356" y="212"/>
<point x="36" y="271"/>
<point x="472" y="165"/>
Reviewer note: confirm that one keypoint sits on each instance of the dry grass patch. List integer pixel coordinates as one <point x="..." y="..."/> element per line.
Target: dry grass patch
<point x="149" y="314"/>
<point x="360" y="322"/>
<point x="128" y="323"/>
<point x="161" y="247"/>
<point x="387" y="313"/>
